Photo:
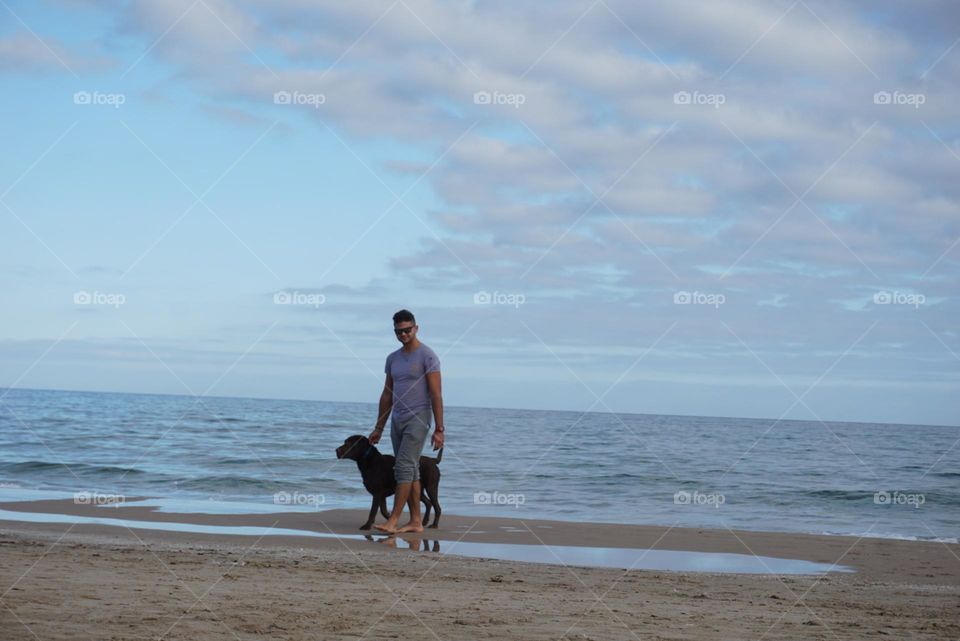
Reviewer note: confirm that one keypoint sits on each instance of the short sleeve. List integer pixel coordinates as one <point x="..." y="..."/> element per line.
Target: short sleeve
<point x="431" y="362"/>
<point x="386" y="366"/>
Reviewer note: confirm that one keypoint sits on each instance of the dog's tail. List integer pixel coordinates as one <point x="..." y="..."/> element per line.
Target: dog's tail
<point x="439" y="455"/>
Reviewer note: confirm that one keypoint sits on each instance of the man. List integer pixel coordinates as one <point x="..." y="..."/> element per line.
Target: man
<point x="411" y="390"/>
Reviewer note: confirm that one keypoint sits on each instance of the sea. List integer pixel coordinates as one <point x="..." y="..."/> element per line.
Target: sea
<point x="217" y="454"/>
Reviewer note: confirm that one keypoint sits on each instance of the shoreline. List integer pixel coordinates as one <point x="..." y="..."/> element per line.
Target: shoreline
<point x="190" y="505"/>
<point x="882" y="559"/>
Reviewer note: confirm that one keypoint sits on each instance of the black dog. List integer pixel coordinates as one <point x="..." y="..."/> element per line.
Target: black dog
<point x="377" y="472"/>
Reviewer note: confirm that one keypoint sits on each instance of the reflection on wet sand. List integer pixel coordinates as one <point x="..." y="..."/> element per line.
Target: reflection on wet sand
<point x="413" y="543"/>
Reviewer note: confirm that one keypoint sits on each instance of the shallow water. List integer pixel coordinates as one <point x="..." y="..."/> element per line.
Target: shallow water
<point x="623" y="558"/>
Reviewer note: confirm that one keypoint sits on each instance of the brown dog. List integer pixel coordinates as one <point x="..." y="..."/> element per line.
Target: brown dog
<point x="377" y="472"/>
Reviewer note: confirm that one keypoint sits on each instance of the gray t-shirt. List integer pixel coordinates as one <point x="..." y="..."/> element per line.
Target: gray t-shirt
<point x="409" y="372"/>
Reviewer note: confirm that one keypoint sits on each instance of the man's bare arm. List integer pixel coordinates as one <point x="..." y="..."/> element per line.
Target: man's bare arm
<point x="436" y="400"/>
<point x="386" y="404"/>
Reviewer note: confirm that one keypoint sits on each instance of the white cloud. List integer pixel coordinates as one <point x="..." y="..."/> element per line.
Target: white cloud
<point x="24" y="52"/>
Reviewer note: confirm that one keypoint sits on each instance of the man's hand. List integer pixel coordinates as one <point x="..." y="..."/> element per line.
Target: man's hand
<point x="437" y="440"/>
<point x="375" y="436"/>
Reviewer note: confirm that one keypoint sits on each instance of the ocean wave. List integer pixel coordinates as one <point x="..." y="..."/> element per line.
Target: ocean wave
<point x="892" y="536"/>
<point x="840" y="495"/>
<point x="56" y="421"/>
<point x="889" y="499"/>
<point x="238" y="484"/>
<point x="361" y="428"/>
<point x="80" y="469"/>
<point x="267" y="460"/>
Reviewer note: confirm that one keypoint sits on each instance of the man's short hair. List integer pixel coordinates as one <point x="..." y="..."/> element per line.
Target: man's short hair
<point x="404" y="316"/>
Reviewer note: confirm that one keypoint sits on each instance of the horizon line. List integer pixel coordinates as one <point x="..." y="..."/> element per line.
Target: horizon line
<point x="522" y="409"/>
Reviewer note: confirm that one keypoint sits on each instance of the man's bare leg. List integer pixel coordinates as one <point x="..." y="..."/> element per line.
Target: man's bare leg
<point x="399" y="500"/>
<point x="413" y="502"/>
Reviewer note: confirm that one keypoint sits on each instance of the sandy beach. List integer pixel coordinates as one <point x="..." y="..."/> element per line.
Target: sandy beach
<point x="81" y="581"/>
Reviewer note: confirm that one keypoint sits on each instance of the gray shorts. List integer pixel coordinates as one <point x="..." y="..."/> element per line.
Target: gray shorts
<point x="408" y="437"/>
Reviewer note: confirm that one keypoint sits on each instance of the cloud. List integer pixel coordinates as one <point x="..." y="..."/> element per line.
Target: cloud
<point x="599" y="115"/>
<point x="24" y="52"/>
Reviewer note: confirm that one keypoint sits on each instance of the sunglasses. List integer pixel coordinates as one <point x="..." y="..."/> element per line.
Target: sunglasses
<point x="403" y="330"/>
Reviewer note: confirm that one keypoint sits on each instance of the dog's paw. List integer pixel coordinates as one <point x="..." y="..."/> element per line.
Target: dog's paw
<point x="435" y="525"/>
<point x="366" y="526"/>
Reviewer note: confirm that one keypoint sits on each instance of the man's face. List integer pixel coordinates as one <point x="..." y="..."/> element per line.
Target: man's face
<point x="405" y="332"/>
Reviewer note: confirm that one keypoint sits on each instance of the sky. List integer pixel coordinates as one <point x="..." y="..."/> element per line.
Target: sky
<point x="712" y="208"/>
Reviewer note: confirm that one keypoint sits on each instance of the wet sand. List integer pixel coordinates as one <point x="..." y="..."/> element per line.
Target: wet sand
<point x="78" y="581"/>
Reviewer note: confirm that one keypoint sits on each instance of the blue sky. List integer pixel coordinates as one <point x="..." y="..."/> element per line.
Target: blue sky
<point x="715" y="208"/>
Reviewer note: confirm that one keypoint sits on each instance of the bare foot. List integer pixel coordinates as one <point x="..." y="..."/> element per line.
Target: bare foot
<point x="386" y="527"/>
<point x="412" y="526"/>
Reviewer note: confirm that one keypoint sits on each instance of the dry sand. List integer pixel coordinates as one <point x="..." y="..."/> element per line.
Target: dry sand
<point x="78" y="582"/>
